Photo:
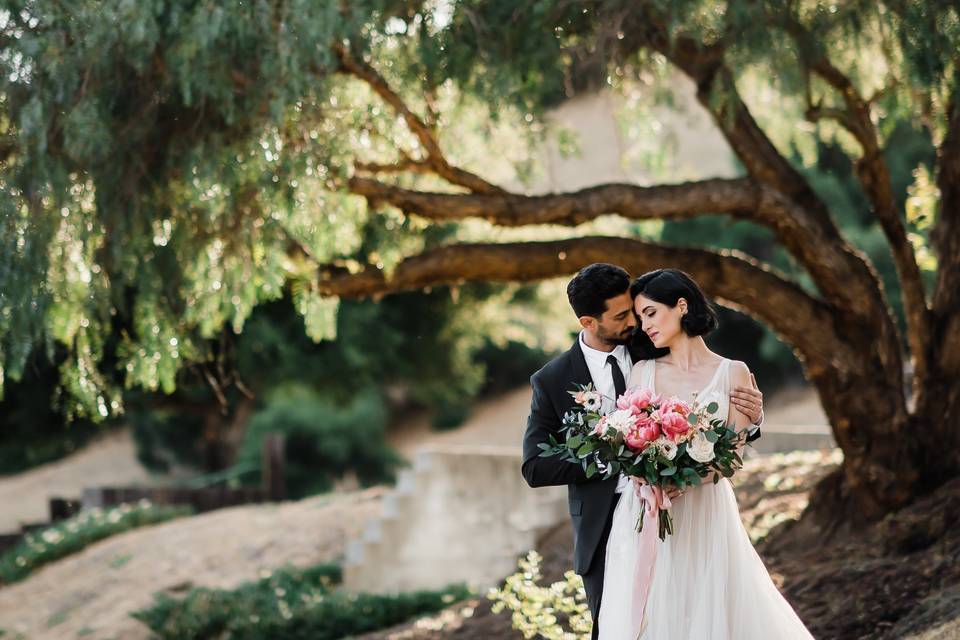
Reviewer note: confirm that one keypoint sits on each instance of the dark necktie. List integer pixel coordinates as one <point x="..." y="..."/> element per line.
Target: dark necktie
<point x="619" y="384"/>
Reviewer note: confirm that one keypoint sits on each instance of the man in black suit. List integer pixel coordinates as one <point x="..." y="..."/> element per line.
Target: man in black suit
<point x="603" y="355"/>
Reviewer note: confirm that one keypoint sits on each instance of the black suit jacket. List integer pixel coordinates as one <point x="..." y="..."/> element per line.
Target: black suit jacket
<point x="590" y="500"/>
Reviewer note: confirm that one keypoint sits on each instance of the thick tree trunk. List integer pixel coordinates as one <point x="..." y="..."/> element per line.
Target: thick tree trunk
<point x="940" y="396"/>
<point x="866" y="415"/>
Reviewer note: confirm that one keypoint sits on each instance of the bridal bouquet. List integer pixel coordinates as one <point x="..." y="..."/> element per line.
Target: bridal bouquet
<point x="665" y="441"/>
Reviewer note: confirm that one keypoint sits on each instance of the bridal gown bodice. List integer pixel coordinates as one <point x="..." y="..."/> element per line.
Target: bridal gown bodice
<point x="708" y="581"/>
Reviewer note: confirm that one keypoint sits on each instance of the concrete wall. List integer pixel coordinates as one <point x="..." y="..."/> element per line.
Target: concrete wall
<point x="462" y="514"/>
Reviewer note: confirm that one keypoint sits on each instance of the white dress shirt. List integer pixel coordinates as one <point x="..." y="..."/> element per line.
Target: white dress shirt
<point x="602" y="377"/>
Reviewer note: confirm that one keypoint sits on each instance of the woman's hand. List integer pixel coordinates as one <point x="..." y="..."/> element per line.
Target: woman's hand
<point x="673" y="493"/>
<point x="748" y="400"/>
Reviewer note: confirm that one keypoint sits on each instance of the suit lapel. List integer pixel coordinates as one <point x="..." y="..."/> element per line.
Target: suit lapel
<point x="578" y="364"/>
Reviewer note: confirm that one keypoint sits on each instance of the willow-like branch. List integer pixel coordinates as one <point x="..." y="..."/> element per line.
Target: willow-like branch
<point x="730" y="276"/>
<point x="424" y="134"/>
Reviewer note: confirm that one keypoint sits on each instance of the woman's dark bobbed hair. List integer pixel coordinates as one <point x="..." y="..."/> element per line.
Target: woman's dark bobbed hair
<point x="667" y="286"/>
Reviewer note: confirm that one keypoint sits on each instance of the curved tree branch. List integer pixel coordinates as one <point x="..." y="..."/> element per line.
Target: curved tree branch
<point x="730" y="276"/>
<point x="739" y="197"/>
<point x="435" y="157"/>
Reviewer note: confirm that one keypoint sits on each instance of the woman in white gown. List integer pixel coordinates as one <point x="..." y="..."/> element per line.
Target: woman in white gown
<point x="708" y="583"/>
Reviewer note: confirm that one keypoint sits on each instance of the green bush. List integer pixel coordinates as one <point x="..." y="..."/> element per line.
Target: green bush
<point x="509" y="365"/>
<point x="72" y="535"/>
<point x="324" y="439"/>
<point x="291" y="604"/>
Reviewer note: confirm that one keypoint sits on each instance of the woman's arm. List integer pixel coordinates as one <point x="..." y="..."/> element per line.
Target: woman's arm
<point x="739" y="377"/>
<point x="739" y="421"/>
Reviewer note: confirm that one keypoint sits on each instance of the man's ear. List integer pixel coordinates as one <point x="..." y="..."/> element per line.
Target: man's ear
<point x="588" y="322"/>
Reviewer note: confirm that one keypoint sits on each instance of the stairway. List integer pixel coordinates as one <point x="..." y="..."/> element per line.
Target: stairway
<point x="460" y="514"/>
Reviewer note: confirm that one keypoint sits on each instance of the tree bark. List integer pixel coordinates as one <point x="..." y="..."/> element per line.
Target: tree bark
<point x="942" y="398"/>
<point x="740" y="198"/>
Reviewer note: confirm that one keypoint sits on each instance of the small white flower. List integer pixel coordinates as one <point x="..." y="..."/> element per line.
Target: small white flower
<point x="592" y="400"/>
<point x="699" y="448"/>
<point x="51" y="536"/>
<point x="667" y="448"/>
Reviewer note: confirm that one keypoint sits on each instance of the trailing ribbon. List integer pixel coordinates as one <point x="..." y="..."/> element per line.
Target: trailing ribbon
<point x="653" y="499"/>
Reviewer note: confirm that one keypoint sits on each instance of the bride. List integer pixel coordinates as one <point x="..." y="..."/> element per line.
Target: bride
<point x="708" y="583"/>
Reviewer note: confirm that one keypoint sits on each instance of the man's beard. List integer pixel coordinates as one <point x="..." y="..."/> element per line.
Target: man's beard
<point x="619" y="339"/>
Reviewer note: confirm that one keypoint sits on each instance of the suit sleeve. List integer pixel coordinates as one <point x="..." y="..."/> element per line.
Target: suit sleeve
<point x="542" y="423"/>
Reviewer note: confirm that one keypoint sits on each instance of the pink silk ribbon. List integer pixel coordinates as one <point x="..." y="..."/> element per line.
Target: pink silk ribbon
<point x="654" y="499"/>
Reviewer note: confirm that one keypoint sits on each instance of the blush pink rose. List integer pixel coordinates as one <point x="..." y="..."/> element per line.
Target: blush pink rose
<point x="601" y="426"/>
<point x="674" y="425"/>
<point x="637" y="400"/>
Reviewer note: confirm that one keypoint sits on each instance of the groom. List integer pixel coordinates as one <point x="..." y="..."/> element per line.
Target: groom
<point x="603" y="354"/>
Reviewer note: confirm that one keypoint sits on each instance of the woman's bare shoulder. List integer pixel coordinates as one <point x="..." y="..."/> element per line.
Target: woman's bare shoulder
<point x="739" y="372"/>
<point x="637" y="368"/>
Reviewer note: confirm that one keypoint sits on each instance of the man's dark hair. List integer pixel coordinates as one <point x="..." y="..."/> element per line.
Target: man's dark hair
<point x="593" y="285"/>
<point x="667" y="286"/>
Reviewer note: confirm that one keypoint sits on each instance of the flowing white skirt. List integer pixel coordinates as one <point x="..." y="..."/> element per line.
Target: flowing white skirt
<point x="708" y="582"/>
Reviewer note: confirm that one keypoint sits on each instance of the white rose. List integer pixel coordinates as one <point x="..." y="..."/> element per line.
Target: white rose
<point x="622" y="420"/>
<point x="699" y="448"/>
<point x="667" y="448"/>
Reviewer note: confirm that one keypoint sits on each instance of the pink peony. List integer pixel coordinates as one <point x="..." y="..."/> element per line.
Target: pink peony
<point x="674" y="425"/>
<point x="675" y="405"/>
<point x="637" y="400"/>
<point x="645" y="432"/>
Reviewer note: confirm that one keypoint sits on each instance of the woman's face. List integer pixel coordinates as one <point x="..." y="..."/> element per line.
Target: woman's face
<point x="659" y="321"/>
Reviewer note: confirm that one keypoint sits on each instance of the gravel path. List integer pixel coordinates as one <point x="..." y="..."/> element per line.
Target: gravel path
<point x="89" y="595"/>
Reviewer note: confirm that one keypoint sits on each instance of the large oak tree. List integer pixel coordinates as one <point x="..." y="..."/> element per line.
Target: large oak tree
<point x="167" y="166"/>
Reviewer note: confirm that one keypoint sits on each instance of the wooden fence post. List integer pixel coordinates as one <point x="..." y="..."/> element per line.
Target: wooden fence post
<point x="273" y="483"/>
